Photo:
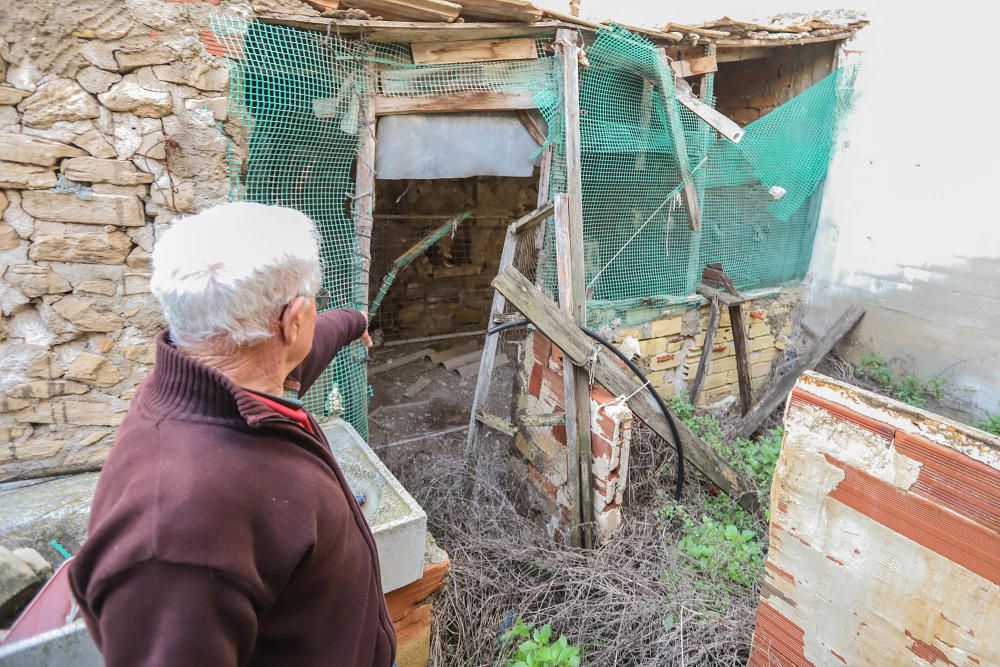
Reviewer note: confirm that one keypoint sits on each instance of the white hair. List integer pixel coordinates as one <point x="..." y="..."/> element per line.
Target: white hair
<point x="223" y="275"/>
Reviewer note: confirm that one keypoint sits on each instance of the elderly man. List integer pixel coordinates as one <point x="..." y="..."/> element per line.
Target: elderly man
<point x="223" y="531"/>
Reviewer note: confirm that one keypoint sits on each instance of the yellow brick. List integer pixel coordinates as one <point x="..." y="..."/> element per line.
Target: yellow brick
<point x="714" y="380"/>
<point x="667" y="392"/>
<point x="761" y="343"/>
<point x="723" y="349"/>
<point x="664" y="361"/>
<point x="711" y="395"/>
<point x="675" y="345"/>
<point x="780" y="344"/>
<point x="763" y="355"/>
<point x="670" y="326"/>
<point x="762" y="369"/>
<point x="655" y="378"/>
<point x="652" y="346"/>
<point x="720" y="365"/>
<point x="760" y="329"/>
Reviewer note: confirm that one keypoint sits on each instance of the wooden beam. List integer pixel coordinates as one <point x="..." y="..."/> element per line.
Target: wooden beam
<point x="576" y="345"/>
<point x="781" y="41"/>
<point x="571" y="266"/>
<point x="732" y="54"/>
<point x="364" y="186"/>
<point x="411" y="31"/>
<point x="783" y="387"/>
<point x="679" y="141"/>
<point x="533" y="127"/>
<point x="691" y="61"/>
<point x="532" y="219"/>
<point x="457" y="102"/>
<point x="742" y="347"/>
<point x="719" y="121"/>
<point x="500" y="10"/>
<point x="698" y="30"/>
<point x="416" y="10"/>
<point x="473" y="51"/>
<point x="706" y="351"/>
<point x="495" y="422"/>
<point x="544" y="172"/>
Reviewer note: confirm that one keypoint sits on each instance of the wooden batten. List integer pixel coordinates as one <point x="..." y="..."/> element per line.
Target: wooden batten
<point x="500" y="10"/>
<point x="412" y="31"/>
<point x="323" y="5"/>
<point x="419" y="10"/>
<point x="473" y="51"/>
<point x="467" y="101"/>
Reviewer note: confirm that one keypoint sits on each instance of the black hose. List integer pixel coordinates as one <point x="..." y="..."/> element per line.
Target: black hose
<point x="635" y="369"/>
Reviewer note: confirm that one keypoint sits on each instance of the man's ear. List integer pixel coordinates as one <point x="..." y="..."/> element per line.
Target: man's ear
<point x="290" y="324"/>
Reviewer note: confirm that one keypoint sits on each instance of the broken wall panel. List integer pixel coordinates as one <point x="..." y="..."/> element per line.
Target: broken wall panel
<point x="885" y="536"/>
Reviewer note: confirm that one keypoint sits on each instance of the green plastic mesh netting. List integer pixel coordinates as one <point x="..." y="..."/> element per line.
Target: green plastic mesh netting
<point x="297" y="93"/>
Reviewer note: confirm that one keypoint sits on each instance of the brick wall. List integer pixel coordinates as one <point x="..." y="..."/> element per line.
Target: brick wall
<point x="747" y="89"/>
<point x="669" y="351"/>
<point x="448" y="288"/>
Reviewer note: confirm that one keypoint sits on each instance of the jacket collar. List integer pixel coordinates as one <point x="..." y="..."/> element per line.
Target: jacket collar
<point x="182" y="387"/>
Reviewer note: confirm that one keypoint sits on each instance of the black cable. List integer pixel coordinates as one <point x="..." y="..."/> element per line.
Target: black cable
<point x="635" y="369"/>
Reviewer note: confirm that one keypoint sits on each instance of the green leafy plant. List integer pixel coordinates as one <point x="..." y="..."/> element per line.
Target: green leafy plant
<point x="905" y="387"/>
<point x="537" y="648"/>
<point x="991" y="424"/>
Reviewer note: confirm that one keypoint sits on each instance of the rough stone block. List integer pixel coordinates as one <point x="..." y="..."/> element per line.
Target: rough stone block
<point x="10" y="95"/>
<point x="87" y="314"/>
<point x="140" y="353"/>
<point x="95" y="143"/>
<point x="26" y="176"/>
<point x="118" y="210"/>
<point x="45" y="365"/>
<point x="79" y="413"/>
<point x="34" y="150"/>
<point x="138" y="283"/>
<point x="100" y="286"/>
<point x="156" y="55"/>
<point x="129" y="95"/>
<point x="34" y="281"/>
<point x="95" y="80"/>
<point x="8" y="237"/>
<point x="88" y="248"/>
<point x="140" y="259"/>
<point x="96" y="170"/>
<point x="93" y="369"/>
<point x="59" y="99"/>
<point x="35" y="561"/>
<point x="47" y="389"/>
<point x="18" y="582"/>
<point x="198" y="75"/>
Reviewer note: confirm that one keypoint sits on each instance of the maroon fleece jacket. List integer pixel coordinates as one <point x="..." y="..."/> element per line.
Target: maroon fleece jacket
<point x="224" y="534"/>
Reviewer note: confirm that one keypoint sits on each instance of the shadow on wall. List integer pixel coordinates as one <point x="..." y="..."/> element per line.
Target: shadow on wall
<point x="940" y="320"/>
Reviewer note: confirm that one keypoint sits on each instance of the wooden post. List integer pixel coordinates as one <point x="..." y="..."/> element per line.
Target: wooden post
<point x="544" y="174"/>
<point x="742" y="356"/>
<point x="568" y="48"/>
<point x="364" y="185"/>
<point x="676" y="129"/>
<point x="706" y="350"/>
<point x="706" y="91"/>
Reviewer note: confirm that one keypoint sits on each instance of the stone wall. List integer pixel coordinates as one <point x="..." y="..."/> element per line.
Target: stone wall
<point x="668" y="350"/>
<point x="112" y="122"/>
<point x="448" y="288"/>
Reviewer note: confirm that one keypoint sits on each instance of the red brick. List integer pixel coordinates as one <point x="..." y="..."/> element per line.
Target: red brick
<point x="535" y="382"/>
<point x="209" y="2"/>
<point x="600" y="446"/>
<point x="214" y="46"/>
<point x="559" y="433"/>
<point x="540" y="346"/>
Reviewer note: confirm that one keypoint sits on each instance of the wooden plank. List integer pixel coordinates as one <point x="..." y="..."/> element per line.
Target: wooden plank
<point x="401" y="361"/>
<point x="732" y="54"/>
<point x="364" y="188"/>
<point x="455" y="102"/>
<point x="742" y="347"/>
<point x="571" y="396"/>
<point x="496" y="423"/>
<point x="575" y="344"/>
<point x="777" y="393"/>
<point x="780" y="41"/>
<point x="697" y="30"/>
<point x="657" y="36"/>
<point x="724" y="125"/>
<point x="500" y="10"/>
<point x="409" y="31"/>
<point x="456" y="351"/>
<point x="724" y="298"/>
<point x="550" y="419"/>
<point x="706" y="350"/>
<point x="484" y="382"/>
<point x="409" y="596"/>
<point x="533" y="127"/>
<point x="417" y="10"/>
<point x="473" y="51"/>
<point x="418" y="386"/>
<point x="324" y="5"/>
<point x="544" y="172"/>
<point x="679" y="141"/>
<point x="694" y="66"/>
<point x="532" y="219"/>
<point x="461" y="360"/>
